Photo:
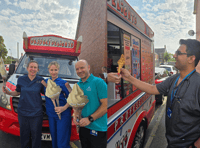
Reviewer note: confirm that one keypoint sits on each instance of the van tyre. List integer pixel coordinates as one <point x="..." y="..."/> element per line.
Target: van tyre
<point x="139" y="136"/>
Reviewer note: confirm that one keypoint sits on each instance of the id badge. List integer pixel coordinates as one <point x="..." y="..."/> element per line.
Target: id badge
<point x="169" y="113"/>
<point x="93" y="132"/>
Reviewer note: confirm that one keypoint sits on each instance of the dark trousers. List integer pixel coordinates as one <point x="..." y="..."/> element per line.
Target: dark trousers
<point x="90" y="141"/>
<point x="30" y="131"/>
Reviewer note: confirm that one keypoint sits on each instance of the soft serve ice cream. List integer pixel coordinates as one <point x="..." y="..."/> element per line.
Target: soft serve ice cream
<point x="52" y="89"/>
<point x="53" y="92"/>
<point x="77" y="100"/>
<point x="2" y="69"/>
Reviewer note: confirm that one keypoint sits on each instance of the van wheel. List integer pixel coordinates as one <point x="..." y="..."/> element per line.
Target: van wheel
<point x="139" y="136"/>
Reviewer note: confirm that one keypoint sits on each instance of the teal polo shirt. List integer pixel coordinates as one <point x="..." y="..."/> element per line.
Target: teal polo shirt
<point x="95" y="89"/>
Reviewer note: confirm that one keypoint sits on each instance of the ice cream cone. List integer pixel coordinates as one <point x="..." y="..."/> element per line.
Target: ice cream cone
<point x="78" y="111"/>
<point x="3" y="74"/>
<point x="79" y="42"/>
<point x="58" y="104"/>
<point x="121" y="63"/>
<point x="2" y="69"/>
<point x="53" y="92"/>
<point x="77" y="100"/>
<point x="119" y="67"/>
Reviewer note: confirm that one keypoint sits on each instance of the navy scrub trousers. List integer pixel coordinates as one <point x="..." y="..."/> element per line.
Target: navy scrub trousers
<point x="30" y="112"/>
<point x="30" y="131"/>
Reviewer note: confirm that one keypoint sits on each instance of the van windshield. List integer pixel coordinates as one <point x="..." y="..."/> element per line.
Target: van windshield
<point x="67" y="65"/>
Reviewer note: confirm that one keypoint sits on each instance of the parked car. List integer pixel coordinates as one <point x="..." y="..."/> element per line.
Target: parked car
<point x="160" y="75"/>
<point x="7" y="67"/>
<point x="172" y="70"/>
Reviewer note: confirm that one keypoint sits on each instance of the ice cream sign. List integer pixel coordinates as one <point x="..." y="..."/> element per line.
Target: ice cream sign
<point x="124" y="11"/>
<point x="52" y="44"/>
<point x="52" y="41"/>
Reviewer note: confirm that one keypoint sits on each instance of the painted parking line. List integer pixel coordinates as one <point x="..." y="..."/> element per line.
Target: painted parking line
<point x="75" y="144"/>
<point x="153" y="132"/>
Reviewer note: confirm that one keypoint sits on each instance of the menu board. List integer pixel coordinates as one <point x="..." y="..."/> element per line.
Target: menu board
<point x="127" y="56"/>
<point x="127" y="52"/>
<point x="135" y="45"/>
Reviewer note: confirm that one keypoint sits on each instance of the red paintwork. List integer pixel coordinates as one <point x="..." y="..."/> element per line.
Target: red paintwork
<point x="151" y="112"/>
<point x="10" y="86"/>
<point x="158" y="81"/>
<point x="129" y="112"/>
<point x="136" y="125"/>
<point x="122" y="103"/>
<point x="148" y="115"/>
<point x="50" y="49"/>
<point x="9" y="120"/>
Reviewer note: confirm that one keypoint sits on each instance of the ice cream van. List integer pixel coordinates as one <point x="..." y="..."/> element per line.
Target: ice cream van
<point x="112" y="28"/>
<point x="42" y="49"/>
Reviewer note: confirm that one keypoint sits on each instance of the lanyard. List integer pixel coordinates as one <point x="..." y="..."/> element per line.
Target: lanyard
<point x="173" y="94"/>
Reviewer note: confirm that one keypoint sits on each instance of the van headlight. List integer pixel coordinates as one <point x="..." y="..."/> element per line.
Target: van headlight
<point x="5" y="101"/>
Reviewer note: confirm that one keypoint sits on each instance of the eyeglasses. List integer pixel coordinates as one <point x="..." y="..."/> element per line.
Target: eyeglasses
<point x="179" y="53"/>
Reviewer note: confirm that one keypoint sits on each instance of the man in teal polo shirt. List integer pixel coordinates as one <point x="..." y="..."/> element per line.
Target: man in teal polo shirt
<point x="93" y="125"/>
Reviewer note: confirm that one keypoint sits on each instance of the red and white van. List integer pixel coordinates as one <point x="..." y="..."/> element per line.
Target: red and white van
<point x="109" y="29"/>
<point x="42" y="49"/>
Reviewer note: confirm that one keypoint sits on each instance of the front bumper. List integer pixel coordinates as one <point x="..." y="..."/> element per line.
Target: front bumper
<point x="9" y="122"/>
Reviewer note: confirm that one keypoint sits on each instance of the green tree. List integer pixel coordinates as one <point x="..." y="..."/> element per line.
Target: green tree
<point x="8" y="60"/>
<point x="172" y="59"/>
<point x="3" y="50"/>
<point x="167" y="56"/>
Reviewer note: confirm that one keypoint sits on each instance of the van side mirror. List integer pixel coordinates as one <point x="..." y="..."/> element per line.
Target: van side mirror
<point x="11" y="69"/>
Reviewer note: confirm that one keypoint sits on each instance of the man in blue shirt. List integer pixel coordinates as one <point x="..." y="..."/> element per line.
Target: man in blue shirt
<point x="93" y="125"/>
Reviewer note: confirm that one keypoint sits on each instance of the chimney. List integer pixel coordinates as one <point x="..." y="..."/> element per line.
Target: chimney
<point x="165" y="46"/>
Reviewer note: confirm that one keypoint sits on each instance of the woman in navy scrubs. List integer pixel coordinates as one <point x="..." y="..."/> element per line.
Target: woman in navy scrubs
<point x="60" y="129"/>
<point x="30" y="112"/>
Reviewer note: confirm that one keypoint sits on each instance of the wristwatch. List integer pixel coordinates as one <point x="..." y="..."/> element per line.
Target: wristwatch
<point x="90" y="118"/>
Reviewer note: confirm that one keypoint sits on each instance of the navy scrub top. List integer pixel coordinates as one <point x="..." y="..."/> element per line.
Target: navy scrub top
<point x="183" y="128"/>
<point x="30" y="101"/>
<point x="62" y="99"/>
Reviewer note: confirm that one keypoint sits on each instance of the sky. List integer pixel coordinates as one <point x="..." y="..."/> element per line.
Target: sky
<point x="169" y="19"/>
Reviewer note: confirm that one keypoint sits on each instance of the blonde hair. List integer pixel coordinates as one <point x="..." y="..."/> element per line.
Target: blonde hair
<point x="54" y="63"/>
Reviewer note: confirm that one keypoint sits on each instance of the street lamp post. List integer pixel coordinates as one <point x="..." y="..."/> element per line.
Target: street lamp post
<point x="11" y="55"/>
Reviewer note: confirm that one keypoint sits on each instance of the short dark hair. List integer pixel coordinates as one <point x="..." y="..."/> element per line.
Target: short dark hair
<point x="192" y="48"/>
